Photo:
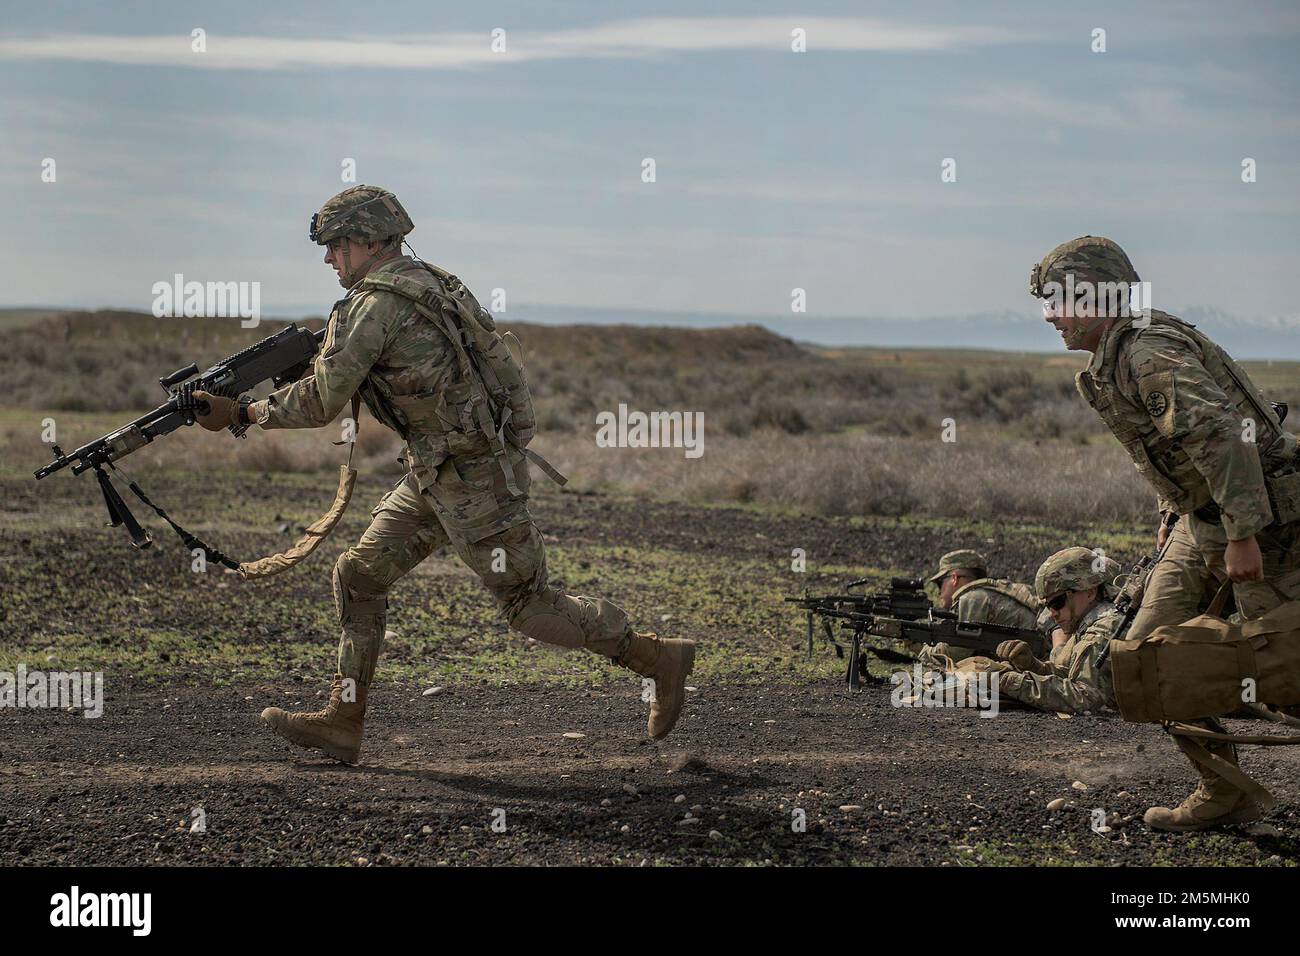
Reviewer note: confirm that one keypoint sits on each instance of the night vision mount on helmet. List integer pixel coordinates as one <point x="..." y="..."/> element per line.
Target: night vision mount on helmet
<point x="366" y="213"/>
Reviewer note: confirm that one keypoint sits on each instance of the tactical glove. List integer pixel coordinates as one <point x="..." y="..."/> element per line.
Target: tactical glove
<point x="221" y="414"/>
<point x="1010" y="682"/>
<point x="1018" y="653"/>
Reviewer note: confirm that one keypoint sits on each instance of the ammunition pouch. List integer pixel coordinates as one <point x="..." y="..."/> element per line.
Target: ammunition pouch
<point x="1284" y="497"/>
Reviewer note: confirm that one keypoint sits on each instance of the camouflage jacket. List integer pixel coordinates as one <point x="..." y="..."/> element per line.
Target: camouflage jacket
<point x="1080" y="673"/>
<point x="408" y="375"/>
<point x="991" y="601"/>
<point x="1179" y="404"/>
<point x="987" y="601"/>
<point x="998" y="601"/>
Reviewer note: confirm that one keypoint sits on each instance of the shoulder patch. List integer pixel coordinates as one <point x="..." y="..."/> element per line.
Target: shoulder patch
<point x="1157" y="395"/>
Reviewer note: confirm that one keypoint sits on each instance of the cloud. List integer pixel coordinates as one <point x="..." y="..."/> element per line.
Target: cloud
<point x="1144" y="109"/>
<point x="623" y="39"/>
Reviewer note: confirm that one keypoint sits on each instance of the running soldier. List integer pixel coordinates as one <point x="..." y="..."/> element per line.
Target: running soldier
<point x="1213" y="449"/>
<point x="413" y="343"/>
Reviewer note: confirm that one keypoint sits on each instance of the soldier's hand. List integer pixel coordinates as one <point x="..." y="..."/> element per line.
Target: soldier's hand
<point x="1244" y="561"/>
<point x="1017" y="652"/>
<point x="221" y="411"/>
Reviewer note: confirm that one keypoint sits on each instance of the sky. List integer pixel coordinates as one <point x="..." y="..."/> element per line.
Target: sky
<point x="774" y="169"/>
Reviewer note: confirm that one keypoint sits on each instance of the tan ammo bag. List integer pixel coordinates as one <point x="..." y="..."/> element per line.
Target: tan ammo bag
<point x="1209" y="667"/>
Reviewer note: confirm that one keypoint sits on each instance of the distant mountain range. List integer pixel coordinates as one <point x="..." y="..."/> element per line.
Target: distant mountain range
<point x="1275" y="337"/>
<point x="1007" y="331"/>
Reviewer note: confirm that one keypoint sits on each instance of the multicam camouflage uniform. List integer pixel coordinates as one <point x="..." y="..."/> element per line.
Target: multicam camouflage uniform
<point x="1216" y="453"/>
<point x="457" y="492"/>
<point x="1076" y="679"/>
<point x="1185" y="411"/>
<point x="379" y="344"/>
<point x="983" y="601"/>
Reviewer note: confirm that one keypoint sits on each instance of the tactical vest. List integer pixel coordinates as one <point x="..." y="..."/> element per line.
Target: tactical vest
<point x="1161" y="460"/>
<point x="488" y="409"/>
<point x="430" y="448"/>
<point x="1060" y="655"/>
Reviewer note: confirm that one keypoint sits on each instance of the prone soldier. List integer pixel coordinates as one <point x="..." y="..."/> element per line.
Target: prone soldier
<point x="966" y="589"/>
<point x="1072" y="584"/>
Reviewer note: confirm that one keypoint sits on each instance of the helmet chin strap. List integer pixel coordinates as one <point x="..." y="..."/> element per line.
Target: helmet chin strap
<point x="346" y="276"/>
<point x="1081" y="332"/>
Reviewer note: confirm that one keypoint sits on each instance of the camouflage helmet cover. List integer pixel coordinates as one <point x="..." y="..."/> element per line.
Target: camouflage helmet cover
<point x="1089" y="258"/>
<point x="961" y="560"/>
<point x="1074" y="569"/>
<point x="367" y="213"/>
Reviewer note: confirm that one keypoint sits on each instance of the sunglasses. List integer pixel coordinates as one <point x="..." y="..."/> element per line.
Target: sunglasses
<point x="1057" y="602"/>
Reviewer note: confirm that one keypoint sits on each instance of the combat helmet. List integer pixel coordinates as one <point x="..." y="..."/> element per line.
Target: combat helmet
<point x="1088" y="258"/>
<point x="1073" y="569"/>
<point x="367" y="213"/>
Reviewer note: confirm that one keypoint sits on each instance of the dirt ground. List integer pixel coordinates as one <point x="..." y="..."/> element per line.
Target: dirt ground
<point x="482" y="772"/>
<point x="878" y="785"/>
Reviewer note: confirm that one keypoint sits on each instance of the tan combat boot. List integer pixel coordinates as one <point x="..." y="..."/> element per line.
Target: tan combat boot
<point x="335" y="730"/>
<point x="666" y="662"/>
<point x="1214" y="803"/>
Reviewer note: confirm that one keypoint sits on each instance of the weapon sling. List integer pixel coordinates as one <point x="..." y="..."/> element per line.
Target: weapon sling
<point x="313" y="535"/>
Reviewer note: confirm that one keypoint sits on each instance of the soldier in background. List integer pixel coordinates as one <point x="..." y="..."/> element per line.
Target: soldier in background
<point x="1213" y="449"/>
<point x="966" y="589"/>
<point x="468" y="481"/>
<point x="1073" y="586"/>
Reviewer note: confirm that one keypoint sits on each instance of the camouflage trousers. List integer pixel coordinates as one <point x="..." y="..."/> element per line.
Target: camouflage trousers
<point x="1193" y="568"/>
<point x="511" y="563"/>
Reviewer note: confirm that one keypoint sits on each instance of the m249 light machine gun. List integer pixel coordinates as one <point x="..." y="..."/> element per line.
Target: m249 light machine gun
<point x="904" y="599"/>
<point x="280" y="358"/>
